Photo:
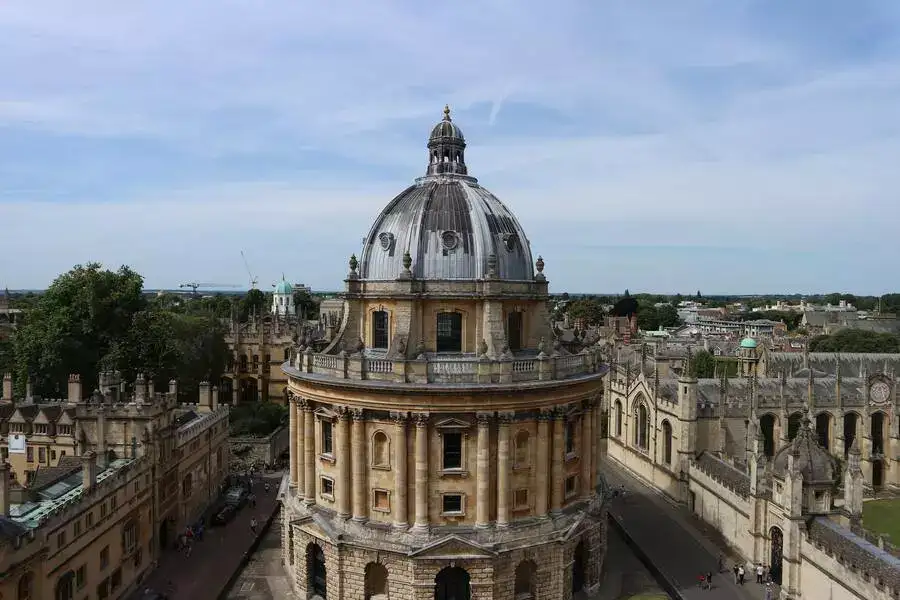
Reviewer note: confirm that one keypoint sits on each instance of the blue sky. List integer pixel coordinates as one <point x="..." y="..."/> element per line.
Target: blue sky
<point x="731" y="147"/>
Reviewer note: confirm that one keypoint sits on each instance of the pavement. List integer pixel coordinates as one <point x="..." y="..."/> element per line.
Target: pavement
<point x="624" y="576"/>
<point x="213" y="561"/>
<point x="264" y="576"/>
<point x="675" y="541"/>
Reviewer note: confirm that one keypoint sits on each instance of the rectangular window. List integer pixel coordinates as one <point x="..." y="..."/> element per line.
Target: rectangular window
<point x="514" y="330"/>
<point x="327" y="437"/>
<point x="61" y="540"/>
<point x="380" y="329"/>
<point x="570" y="437"/>
<point x="42" y="455"/>
<point x="53" y="455"/>
<point x="327" y="487"/>
<point x="80" y="577"/>
<point x="89" y="520"/>
<point x="381" y="501"/>
<point x="104" y="557"/>
<point x="129" y="537"/>
<point x="521" y="499"/>
<point x="29" y="454"/>
<point x="103" y="590"/>
<point x="103" y="510"/>
<point x="452" y="450"/>
<point x="449" y="332"/>
<point x="452" y="504"/>
<point x="76" y="528"/>
<point x="571" y="485"/>
<point x="113" y="502"/>
<point x="115" y="580"/>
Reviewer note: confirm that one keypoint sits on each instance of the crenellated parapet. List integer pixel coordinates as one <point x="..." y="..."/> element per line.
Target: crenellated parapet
<point x="197" y="427"/>
<point x="867" y="560"/>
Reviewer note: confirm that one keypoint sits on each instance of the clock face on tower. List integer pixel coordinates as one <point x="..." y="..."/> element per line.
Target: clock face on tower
<point x="879" y="392"/>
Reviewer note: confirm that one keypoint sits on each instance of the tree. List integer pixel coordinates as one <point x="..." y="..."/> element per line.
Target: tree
<point x="305" y="305"/>
<point x="856" y="340"/>
<point x="73" y="324"/>
<point x="257" y="418"/>
<point x="704" y="365"/>
<point x="587" y="309"/>
<point x="253" y="301"/>
<point x="667" y="315"/>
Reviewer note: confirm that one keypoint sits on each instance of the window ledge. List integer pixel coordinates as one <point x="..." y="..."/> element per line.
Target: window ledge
<point x="329" y="458"/>
<point x="386" y="511"/>
<point x="455" y="513"/>
<point x="328" y="497"/>
<point x="381" y="467"/>
<point x="521" y="468"/>
<point x="570" y="456"/>
<point x="454" y="473"/>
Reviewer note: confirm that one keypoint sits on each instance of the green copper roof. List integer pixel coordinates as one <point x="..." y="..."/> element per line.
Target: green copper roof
<point x="748" y="343"/>
<point x="284" y="288"/>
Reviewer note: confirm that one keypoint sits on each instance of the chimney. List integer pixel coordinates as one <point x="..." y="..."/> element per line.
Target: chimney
<point x="140" y="389"/>
<point x="8" y="386"/>
<point x="28" y="389"/>
<point x="4" y="489"/>
<point x="88" y="470"/>
<point x="75" y="390"/>
<point x="205" y="400"/>
<point x="214" y="399"/>
<point x="151" y="390"/>
<point x="173" y="388"/>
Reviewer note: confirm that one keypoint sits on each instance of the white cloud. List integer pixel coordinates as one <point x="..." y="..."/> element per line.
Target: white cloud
<point x="692" y="116"/>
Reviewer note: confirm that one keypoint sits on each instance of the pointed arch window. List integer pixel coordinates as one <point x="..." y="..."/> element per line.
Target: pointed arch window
<point x="667" y="442"/>
<point x="619" y="415"/>
<point x="641" y="427"/>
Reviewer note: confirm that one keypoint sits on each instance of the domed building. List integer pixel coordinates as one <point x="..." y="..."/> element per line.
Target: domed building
<point x="283" y="299"/>
<point x="443" y="446"/>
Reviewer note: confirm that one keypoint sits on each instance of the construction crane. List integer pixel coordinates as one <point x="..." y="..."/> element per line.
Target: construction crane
<point x="253" y="279"/>
<point x="194" y="285"/>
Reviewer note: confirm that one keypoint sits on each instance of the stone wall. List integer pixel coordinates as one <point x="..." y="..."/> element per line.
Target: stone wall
<point x="718" y="502"/>
<point x="658" y="475"/>
<point x="246" y="450"/>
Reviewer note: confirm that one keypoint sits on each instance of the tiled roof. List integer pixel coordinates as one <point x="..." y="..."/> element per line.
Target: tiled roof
<point x="45" y="476"/>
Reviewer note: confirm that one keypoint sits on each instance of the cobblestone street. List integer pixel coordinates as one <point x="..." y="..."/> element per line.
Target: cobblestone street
<point x="264" y="577"/>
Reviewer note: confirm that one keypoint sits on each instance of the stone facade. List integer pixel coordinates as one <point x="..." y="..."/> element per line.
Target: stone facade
<point x="247" y="451"/>
<point x="761" y="458"/>
<point x="441" y="446"/>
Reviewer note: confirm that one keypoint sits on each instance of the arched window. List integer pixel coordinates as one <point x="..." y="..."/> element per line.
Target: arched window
<point x="25" y="589"/>
<point x="525" y="576"/>
<point x="619" y="414"/>
<point x="380" y="329"/>
<point x="641" y="427"/>
<point x="376" y="584"/>
<point x="514" y="330"/>
<point x="380" y="450"/>
<point x="65" y="586"/>
<point x="287" y="354"/>
<point x="449" y="332"/>
<point x="243" y="362"/>
<point x="520" y="459"/>
<point x="667" y="442"/>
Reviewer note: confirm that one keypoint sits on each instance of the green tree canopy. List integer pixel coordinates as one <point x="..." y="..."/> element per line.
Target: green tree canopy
<point x="254" y="301"/>
<point x="855" y="340"/>
<point x="91" y="319"/>
<point x="704" y="364"/>
<point x="257" y="418"/>
<point x="305" y="305"/>
<point x="590" y="310"/>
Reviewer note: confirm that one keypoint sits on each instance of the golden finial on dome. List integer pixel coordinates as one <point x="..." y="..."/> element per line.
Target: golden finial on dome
<point x="447" y="112"/>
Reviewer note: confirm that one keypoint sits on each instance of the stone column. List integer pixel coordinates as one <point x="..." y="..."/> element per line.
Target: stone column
<point x="292" y="429"/>
<point x="360" y="472"/>
<point x="309" y="452"/>
<point x="558" y="461"/>
<point x="483" y="473"/>
<point x="542" y="464"/>
<point x="503" y="470"/>
<point x="343" y="492"/>
<point x="421" y="523"/>
<point x="299" y="459"/>
<point x="597" y="444"/>
<point x="400" y="485"/>
<point x="585" y="452"/>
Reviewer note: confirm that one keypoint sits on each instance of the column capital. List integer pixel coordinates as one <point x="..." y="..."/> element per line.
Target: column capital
<point x="306" y="405"/>
<point x="505" y="418"/>
<point x="560" y="412"/>
<point x="291" y="397"/>
<point x="301" y="403"/>
<point x="358" y="414"/>
<point x="421" y="419"/>
<point x="399" y="418"/>
<point x="545" y="414"/>
<point x="343" y="413"/>
<point x="484" y="418"/>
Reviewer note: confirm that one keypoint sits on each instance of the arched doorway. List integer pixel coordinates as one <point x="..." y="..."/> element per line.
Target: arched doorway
<point x="452" y="583"/>
<point x="823" y="429"/>
<point x="315" y="570"/>
<point x="767" y="428"/>
<point x="794" y="425"/>
<point x="578" y="565"/>
<point x="877" y="474"/>
<point x="376" y="582"/>
<point x="164" y="534"/>
<point x="850" y="424"/>
<point x="777" y="540"/>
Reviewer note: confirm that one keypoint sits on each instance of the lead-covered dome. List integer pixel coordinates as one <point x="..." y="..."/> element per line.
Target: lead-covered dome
<point x="452" y="228"/>
<point x="810" y="458"/>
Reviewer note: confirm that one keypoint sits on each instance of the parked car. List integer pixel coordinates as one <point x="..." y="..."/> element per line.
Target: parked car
<point x="224" y="514"/>
<point x="236" y="496"/>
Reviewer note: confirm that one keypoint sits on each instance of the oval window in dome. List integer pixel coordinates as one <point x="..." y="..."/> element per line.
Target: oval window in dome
<point x="510" y="240"/>
<point x="449" y="240"/>
<point x="386" y="239"/>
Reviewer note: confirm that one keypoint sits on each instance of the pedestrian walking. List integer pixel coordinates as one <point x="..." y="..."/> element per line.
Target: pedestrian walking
<point x="701" y="583"/>
<point x="720" y="565"/>
<point x="735" y="570"/>
<point x="709" y="580"/>
<point x="759" y="573"/>
<point x="267" y="487"/>
<point x="253" y="525"/>
<point x="741" y="575"/>
<point x="769" y="591"/>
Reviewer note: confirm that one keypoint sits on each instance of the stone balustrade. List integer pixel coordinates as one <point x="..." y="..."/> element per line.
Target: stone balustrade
<point x="436" y="369"/>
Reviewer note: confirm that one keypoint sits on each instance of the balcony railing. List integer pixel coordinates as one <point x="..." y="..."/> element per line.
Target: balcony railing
<point x="456" y="369"/>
